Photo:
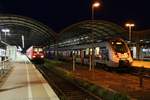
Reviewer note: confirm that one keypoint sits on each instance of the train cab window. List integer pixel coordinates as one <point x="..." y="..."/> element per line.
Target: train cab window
<point x="40" y="49"/>
<point x="119" y="46"/>
<point x="35" y="50"/>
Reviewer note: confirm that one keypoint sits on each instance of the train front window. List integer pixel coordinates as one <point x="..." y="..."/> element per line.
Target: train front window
<point x="38" y="49"/>
<point x="119" y="46"/>
<point x="35" y="49"/>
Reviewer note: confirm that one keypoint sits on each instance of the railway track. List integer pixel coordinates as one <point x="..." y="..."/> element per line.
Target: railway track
<point x="65" y="89"/>
<point x="136" y="71"/>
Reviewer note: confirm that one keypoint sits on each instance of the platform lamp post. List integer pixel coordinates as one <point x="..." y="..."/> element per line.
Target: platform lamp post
<point x="91" y="65"/>
<point x="5" y="31"/>
<point x="130" y="25"/>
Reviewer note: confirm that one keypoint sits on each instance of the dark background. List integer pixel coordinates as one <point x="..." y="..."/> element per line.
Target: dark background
<point x="59" y="14"/>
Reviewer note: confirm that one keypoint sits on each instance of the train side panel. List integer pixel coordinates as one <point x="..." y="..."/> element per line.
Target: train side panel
<point x="112" y="53"/>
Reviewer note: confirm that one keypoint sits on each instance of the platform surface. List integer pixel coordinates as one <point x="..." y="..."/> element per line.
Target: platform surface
<point x="140" y="63"/>
<point x="25" y="83"/>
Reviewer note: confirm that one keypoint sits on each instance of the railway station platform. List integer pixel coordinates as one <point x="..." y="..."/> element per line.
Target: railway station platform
<point x="25" y="82"/>
<point x="140" y="63"/>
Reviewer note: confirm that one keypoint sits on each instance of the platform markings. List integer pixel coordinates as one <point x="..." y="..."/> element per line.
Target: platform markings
<point x="47" y="88"/>
<point x="29" y="85"/>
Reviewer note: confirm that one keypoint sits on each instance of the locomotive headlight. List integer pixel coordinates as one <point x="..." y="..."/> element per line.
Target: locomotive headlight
<point x="33" y="56"/>
<point x="42" y="56"/>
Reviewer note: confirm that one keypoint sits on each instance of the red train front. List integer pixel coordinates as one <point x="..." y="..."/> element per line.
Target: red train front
<point x="35" y="54"/>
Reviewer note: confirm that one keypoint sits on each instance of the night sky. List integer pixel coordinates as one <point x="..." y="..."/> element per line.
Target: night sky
<point x="59" y="14"/>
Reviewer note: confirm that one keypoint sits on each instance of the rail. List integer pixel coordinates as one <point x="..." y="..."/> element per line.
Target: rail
<point x="66" y="90"/>
<point x="5" y="66"/>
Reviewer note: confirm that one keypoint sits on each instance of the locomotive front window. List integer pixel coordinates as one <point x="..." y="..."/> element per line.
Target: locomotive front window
<point x="119" y="46"/>
<point x="38" y="49"/>
<point x="35" y="49"/>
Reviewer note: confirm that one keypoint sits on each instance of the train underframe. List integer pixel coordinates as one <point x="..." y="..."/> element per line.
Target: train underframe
<point x="38" y="61"/>
<point x="122" y="64"/>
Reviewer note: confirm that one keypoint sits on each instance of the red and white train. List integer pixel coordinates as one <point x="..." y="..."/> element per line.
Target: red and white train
<point x="35" y="54"/>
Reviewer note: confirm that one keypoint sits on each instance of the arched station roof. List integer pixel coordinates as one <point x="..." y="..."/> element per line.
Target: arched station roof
<point x="90" y="30"/>
<point x="34" y="32"/>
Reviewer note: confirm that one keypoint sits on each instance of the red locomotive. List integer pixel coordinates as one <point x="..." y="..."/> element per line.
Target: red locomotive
<point x="35" y="54"/>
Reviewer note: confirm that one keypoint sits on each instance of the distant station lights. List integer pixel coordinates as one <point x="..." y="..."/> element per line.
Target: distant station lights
<point x="6" y="31"/>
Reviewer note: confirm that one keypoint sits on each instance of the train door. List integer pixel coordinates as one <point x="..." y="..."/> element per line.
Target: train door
<point x="82" y="56"/>
<point x="104" y="54"/>
<point x="86" y="56"/>
<point x="97" y="55"/>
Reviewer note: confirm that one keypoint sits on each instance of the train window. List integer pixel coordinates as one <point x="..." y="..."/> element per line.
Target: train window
<point x="40" y="49"/>
<point x="35" y="49"/>
<point x="73" y="51"/>
<point x="78" y="52"/>
<point x="87" y="51"/>
<point x="82" y="53"/>
<point x="64" y="53"/>
<point x="119" y="43"/>
<point x="97" y="51"/>
<point x="90" y="51"/>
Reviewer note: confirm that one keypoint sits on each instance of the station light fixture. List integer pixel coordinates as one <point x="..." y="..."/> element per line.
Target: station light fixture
<point x="96" y="4"/>
<point x="130" y="25"/>
<point x="5" y="30"/>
